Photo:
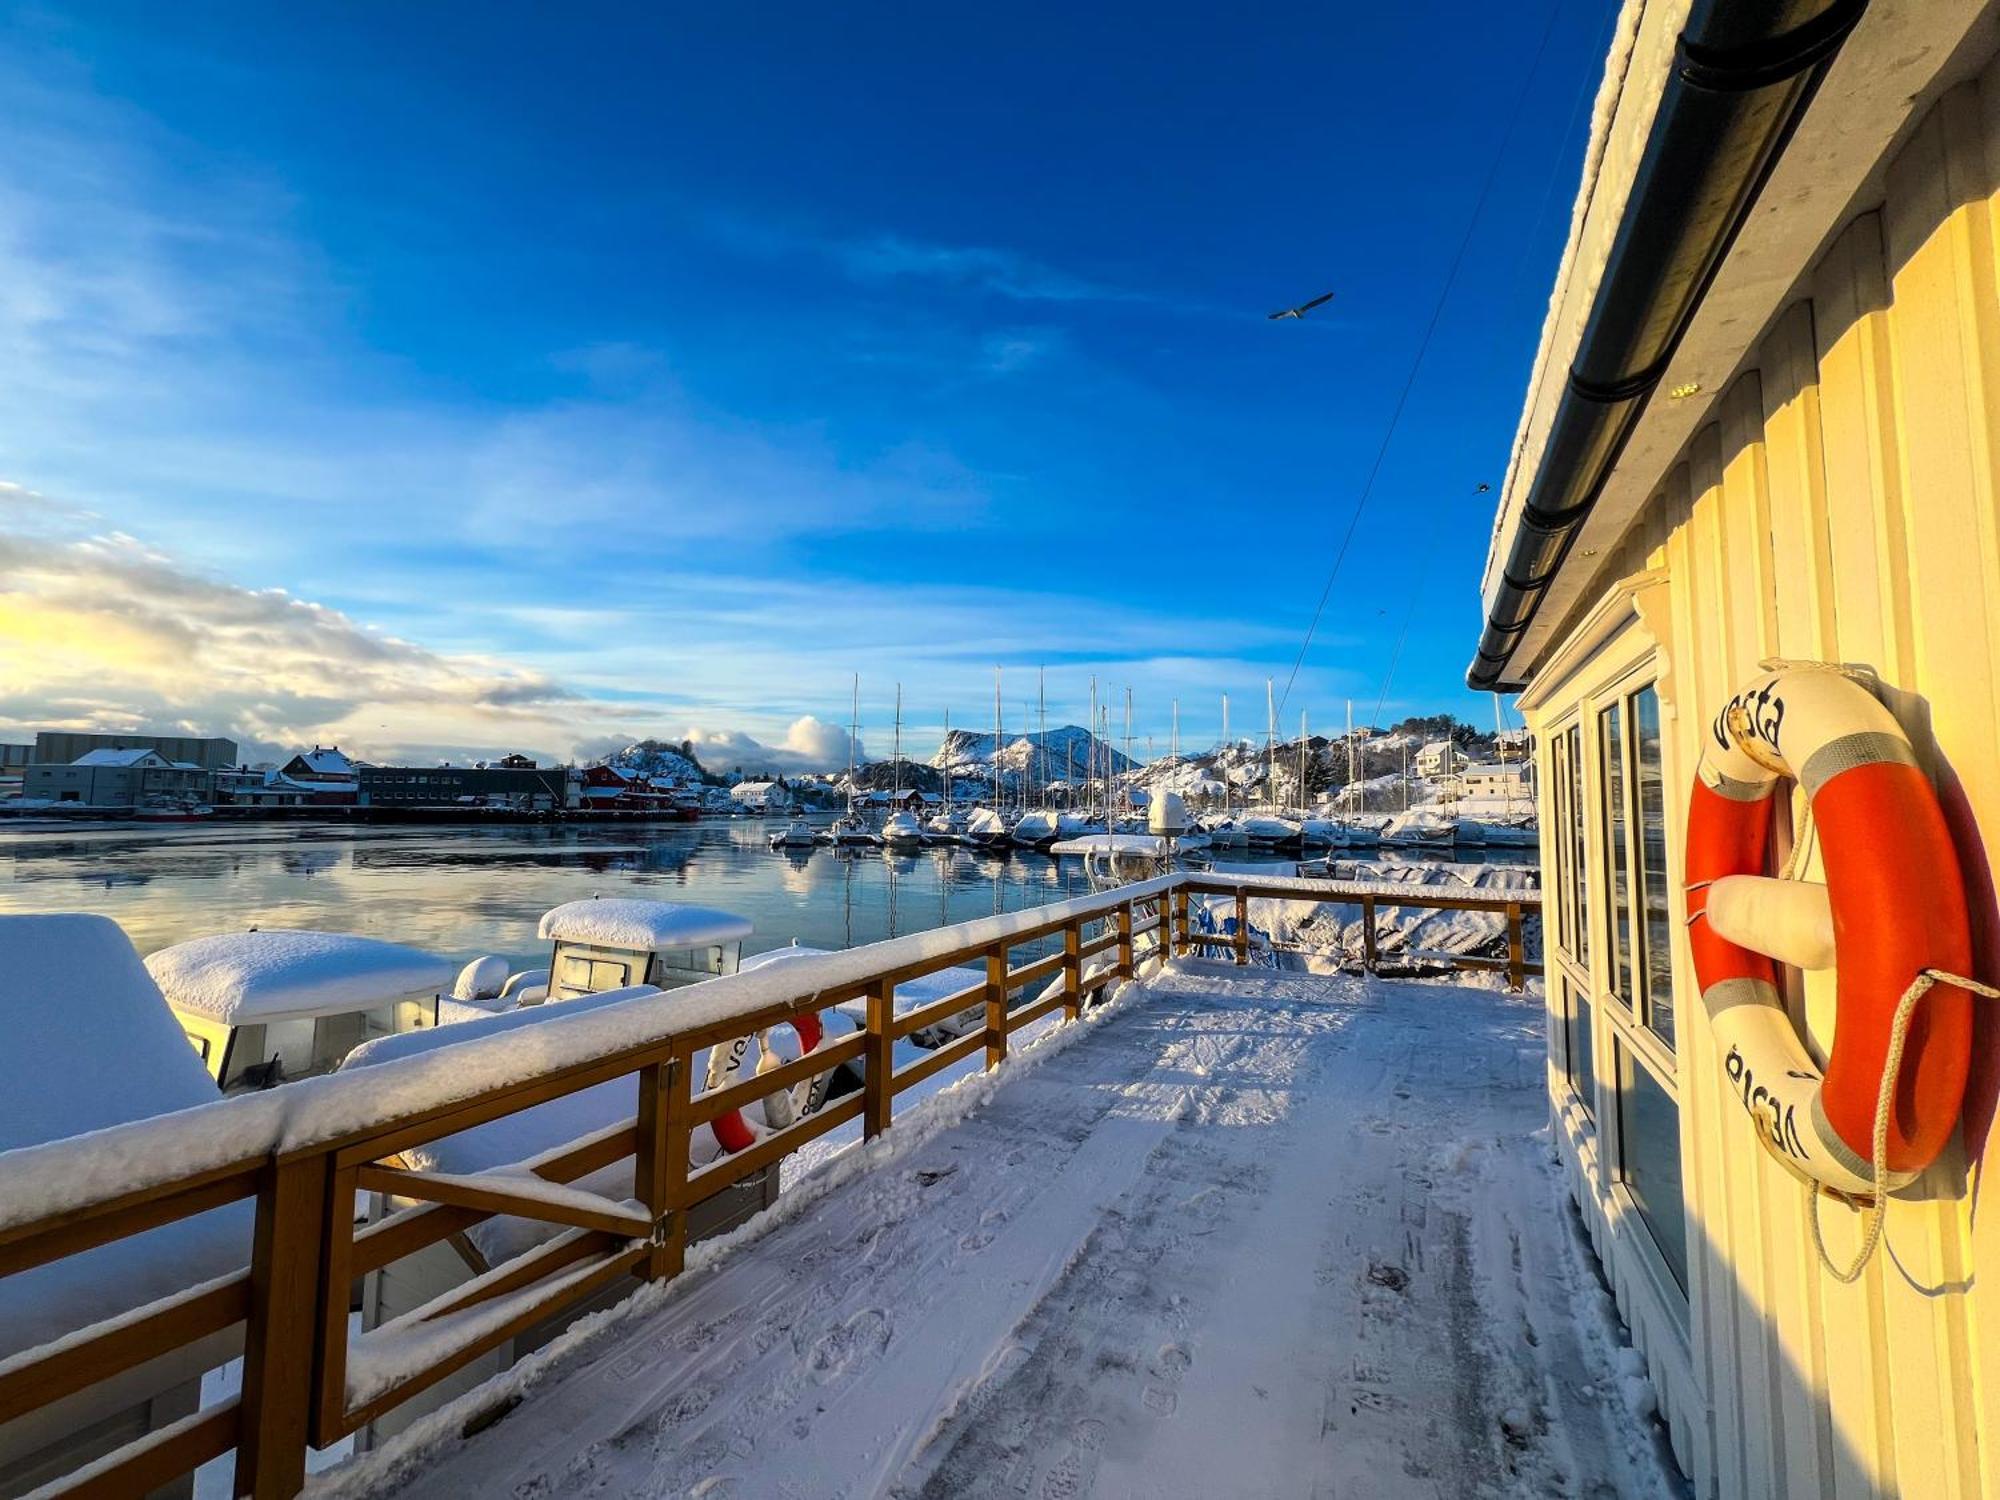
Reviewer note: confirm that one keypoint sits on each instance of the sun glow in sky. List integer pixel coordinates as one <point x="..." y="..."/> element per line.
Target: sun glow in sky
<point x="446" y="380"/>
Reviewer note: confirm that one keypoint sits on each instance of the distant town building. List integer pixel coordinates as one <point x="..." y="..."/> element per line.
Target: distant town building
<point x="760" y="796"/>
<point x="63" y="747"/>
<point x="108" y="777"/>
<point x="533" y="789"/>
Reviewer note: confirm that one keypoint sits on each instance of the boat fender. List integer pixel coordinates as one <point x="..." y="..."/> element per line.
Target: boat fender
<point x="1892" y="920"/>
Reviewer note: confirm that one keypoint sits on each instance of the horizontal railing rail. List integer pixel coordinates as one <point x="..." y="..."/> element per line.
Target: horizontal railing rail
<point x="305" y="1152"/>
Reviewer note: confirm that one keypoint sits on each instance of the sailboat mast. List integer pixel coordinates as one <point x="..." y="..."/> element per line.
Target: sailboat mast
<point x="1270" y="742"/>
<point x="853" y="732"/>
<point x="1304" y="742"/>
<point x="1128" y="749"/>
<point x="947" y="762"/>
<point x="996" y="740"/>
<point x="1360" y="792"/>
<point x="1090" y="752"/>
<point x="899" y="742"/>
<point x="1228" y="781"/>
<point x="1041" y="735"/>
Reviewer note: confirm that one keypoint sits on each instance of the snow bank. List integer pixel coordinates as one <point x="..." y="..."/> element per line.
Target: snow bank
<point x="627" y="923"/>
<point x="238" y="978"/>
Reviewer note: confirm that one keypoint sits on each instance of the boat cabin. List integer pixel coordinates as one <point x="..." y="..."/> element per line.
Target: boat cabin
<point x="265" y="1006"/>
<point x="609" y="944"/>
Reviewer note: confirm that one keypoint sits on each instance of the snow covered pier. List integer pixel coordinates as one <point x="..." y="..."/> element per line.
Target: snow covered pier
<point x="1245" y="1232"/>
<point x="1233" y="1227"/>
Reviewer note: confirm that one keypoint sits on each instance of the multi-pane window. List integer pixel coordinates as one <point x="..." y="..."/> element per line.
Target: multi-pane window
<point x="1635" y="859"/>
<point x="1617" y="856"/>
<point x="1649" y="1158"/>
<point x="1657" y="963"/>
<point x="1572" y="899"/>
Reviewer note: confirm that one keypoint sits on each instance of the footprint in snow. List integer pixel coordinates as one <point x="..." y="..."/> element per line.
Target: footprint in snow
<point x="861" y="1337"/>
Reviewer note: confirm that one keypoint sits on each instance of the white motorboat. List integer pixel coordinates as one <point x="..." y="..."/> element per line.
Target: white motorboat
<point x="851" y="831"/>
<point x="901" y="830"/>
<point x="797" y="834"/>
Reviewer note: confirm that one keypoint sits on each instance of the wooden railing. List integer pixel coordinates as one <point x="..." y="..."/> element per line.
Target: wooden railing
<point x="303" y="1152"/>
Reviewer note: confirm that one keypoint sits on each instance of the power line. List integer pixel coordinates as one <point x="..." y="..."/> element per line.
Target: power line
<point x="1409" y="382"/>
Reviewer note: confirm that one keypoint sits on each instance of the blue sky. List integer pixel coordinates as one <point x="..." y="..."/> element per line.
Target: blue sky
<point x="586" y="373"/>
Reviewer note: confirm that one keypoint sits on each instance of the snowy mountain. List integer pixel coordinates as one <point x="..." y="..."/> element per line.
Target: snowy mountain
<point x="969" y="752"/>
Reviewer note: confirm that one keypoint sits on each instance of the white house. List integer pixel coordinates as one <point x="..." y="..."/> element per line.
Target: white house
<point x="1495" y="781"/>
<point x="760" y="796"/>
<point x="1436" y="758"/>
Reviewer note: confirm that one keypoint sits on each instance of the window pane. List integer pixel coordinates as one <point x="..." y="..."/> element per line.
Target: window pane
<point x="1649" y="1160"/>
<point x="1657" y="965"/>
<point x="1559" y="823"/>
<point x="1579" y="889"/>
<point x="1582" y="1075"/>
<point x="1611" y="743"/>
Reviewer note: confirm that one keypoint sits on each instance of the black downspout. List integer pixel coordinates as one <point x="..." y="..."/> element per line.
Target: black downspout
<point x="1744" y="72"/>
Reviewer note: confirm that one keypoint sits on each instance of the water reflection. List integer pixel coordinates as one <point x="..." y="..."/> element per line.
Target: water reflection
<point x="480" y="890"/>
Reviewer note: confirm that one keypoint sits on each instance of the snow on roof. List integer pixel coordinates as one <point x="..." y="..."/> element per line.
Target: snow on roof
<point x="327" y="762"/>
<point x="120" y="758"/>
<point x="627" y="923"/>
<point x="752" y="788"/>
<point x="90" y="1044"/>
<point x="239" y="978"/>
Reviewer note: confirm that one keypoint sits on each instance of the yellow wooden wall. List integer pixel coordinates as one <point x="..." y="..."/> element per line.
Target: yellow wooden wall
<point x="1842" y="505"/>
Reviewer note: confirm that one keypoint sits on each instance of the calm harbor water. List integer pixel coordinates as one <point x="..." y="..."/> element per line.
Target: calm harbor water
<point x="466" y="891"/>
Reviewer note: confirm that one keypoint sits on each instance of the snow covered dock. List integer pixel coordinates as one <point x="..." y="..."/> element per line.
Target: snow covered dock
<point x="1243" y="1232"/>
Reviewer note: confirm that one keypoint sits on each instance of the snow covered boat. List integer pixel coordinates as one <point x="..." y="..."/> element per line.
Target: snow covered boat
<point x="265" y="1006"/>
<point x="945" y="828"/>
<point x="1226" y="833"/>
<point x="901" y="830"/>
<point x="985" y="829"/>
<point x="797" y="834"/>
<point x="1266" y="831"/>
<point x="1036" y="830"/>
<point x="92" y="1046"/>
<point x="1420" y="828"/>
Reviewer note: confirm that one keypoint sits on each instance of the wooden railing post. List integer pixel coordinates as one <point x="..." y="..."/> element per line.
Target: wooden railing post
<point x="1242" y="927"/>
<point x="1368" y="933"/>
<point x="1516" y="958"/>
<point x="1072" y="970"/>
<point x="1177" y="935"/>
<point x="666" y="1093"/>
<point x="996" y="1005"/>
<point x="878" y="1082"/>
<point x="280" y="1339"/>
<point x="1125" y="962"/>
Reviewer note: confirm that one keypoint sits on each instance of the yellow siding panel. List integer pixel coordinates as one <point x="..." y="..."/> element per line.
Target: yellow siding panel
<point x="1845" y="505"/>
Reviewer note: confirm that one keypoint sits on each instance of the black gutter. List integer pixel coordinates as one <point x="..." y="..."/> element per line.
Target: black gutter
<point x="1744" y="72"/>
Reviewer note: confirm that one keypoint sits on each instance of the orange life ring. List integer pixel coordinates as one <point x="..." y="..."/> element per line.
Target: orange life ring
<point x="1897" y="906"/>
<point x="733" y="1133"/>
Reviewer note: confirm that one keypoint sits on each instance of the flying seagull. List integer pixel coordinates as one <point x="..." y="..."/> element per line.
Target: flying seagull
<point x="1303" y="308"/>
